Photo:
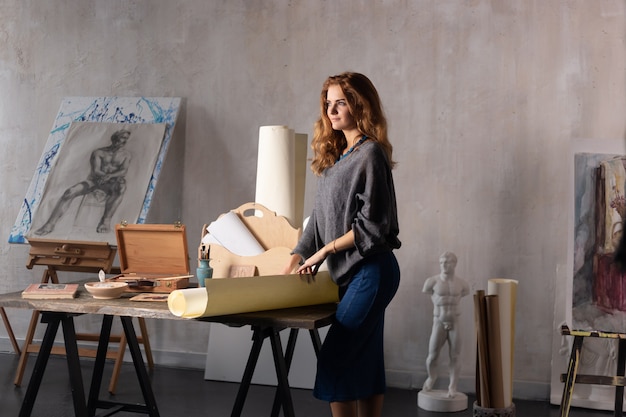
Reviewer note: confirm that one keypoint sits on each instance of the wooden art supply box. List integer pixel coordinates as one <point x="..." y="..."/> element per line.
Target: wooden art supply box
<point x="153" y="257"/>
<point x="273" y="232"/>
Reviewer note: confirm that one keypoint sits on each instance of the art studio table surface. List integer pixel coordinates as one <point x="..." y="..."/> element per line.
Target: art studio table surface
<point x="60" y="312"/>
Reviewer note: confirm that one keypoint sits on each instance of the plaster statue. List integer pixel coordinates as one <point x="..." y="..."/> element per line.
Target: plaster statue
<point x="446" y="290"/>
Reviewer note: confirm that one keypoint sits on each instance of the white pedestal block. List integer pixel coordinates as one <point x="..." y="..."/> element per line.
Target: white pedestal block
<point x="438" y="400"/>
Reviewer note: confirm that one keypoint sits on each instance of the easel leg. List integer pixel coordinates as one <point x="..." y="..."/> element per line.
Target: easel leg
<point x="7" y="325"/>
<point x="118" y="364"/>
<point x="572" y="369"/>
<point x="146" y="342"/>
<point x="21" y="365"/>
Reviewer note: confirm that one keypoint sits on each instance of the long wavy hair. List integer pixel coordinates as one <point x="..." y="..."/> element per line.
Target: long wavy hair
<point x="366" y="109"/>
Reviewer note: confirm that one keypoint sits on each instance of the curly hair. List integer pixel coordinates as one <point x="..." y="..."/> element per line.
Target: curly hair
<point x="366" y="109"/>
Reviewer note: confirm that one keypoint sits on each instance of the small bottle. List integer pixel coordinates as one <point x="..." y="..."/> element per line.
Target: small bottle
<point x="204" y="271"/>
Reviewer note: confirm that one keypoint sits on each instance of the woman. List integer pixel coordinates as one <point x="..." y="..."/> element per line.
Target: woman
<point x="354" y="227"/>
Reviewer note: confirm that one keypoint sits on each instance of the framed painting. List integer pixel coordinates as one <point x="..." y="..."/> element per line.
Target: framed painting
<point x="100" y="165"/>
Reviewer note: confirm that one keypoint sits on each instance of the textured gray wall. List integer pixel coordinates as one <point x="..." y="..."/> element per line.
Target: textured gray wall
<point x="484" y="99"/>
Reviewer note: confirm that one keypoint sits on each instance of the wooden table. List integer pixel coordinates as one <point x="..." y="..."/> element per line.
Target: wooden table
<point x="265" y="324"/>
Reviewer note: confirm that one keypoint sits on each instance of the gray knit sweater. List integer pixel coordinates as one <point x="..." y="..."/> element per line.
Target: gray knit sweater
<point x="356" y="193"/>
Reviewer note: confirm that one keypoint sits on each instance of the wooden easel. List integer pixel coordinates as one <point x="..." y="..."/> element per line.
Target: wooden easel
<point x="617" y="380"/>
<point x="7" y="325"/>
<point x="76" y="256"/>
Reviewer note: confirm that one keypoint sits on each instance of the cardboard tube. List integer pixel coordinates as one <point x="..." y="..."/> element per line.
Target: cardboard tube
<point x="248" y="294"/>
<point x="496" y="393"/>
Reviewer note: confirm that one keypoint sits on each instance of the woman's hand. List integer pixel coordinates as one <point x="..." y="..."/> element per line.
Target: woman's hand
<point x="292" y="264"/>
<point x="311" y="265"/>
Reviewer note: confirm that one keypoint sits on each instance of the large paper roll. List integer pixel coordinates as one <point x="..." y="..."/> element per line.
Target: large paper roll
<point x="231" y="233"/>
<point x="506" y="290"/>
<point x="244" y="295"/>
<point x="279" y="179"/>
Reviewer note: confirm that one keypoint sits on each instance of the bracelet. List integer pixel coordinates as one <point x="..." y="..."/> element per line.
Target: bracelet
<point x="334" y="247"/>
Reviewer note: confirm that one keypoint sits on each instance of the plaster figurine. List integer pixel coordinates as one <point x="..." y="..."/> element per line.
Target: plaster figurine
<point x="446" y="290"/>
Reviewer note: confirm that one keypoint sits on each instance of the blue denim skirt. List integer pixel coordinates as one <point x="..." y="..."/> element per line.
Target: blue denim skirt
<point x="351" y="362"/>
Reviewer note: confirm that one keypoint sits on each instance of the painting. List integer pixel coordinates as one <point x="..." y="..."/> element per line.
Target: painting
<point x="598" y="287"/>
<point x="99" y="179"/>
<point x="589" y="290"/>
<point x="99" y="166"/>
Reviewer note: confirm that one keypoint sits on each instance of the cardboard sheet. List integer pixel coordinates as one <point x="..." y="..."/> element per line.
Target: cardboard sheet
<point x="243" y="295"/>
<point x="506" y="290"/>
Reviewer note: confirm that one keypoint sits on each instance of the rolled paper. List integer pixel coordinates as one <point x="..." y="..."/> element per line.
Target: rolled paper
<point x="209" y="239"/>
<point x="506" y="290"/>
<point x="482" y="376"/>
<point x="300" y="168"/>
<point x="280" y="176"/>
<point x="233" y="234"/>
<point x="496" y="393"/>
<point x="249" y="294"/>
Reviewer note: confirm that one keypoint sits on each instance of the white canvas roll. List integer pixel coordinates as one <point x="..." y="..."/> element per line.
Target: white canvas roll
<point x="506" y="290"/>
<point x="300" y="166"/>
<point x="279" y="180"/>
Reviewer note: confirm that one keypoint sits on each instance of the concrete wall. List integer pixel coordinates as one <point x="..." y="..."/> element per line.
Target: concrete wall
<point x="484" y="100"/>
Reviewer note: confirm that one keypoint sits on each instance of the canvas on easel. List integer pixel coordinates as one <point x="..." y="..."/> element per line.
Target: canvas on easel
<point x="72" y="195"/>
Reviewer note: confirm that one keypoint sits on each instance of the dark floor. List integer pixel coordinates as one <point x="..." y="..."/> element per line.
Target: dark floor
<point x="185" y="393"/>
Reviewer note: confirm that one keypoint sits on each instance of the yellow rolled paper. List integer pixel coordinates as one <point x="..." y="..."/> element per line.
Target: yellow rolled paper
<point x="248" y="294"/>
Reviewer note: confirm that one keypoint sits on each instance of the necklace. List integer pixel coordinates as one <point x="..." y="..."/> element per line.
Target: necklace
<point x="356" y="145"/>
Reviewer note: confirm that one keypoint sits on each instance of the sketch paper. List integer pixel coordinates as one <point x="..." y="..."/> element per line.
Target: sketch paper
<point x="127" y="110"/>
<point x="89" y="202"/>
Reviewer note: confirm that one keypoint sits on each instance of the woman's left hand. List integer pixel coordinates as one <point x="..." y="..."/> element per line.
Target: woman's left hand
<point x="312" y="264"/>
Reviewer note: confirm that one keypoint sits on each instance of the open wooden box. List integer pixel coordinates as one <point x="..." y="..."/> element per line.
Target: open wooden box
<point x="153" y="257"/>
